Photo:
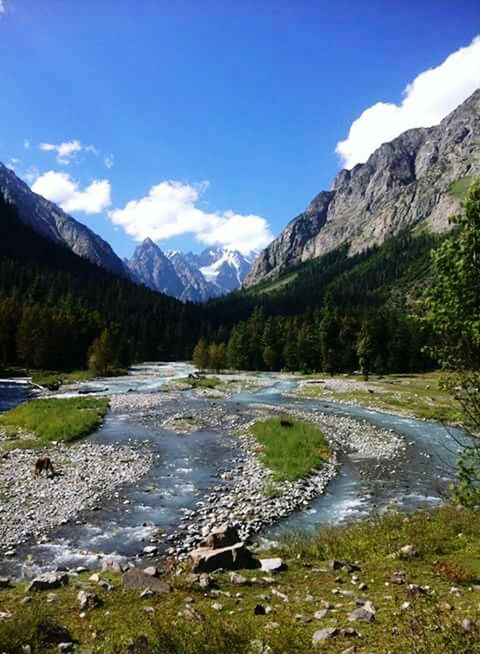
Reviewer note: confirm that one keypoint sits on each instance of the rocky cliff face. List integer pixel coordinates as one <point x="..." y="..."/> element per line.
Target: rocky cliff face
<point x="53" y="223"/>
<point x="417" y="177"/>
<point x="151" y="267"/>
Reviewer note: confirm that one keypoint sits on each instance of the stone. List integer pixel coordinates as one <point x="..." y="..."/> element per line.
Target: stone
<point x="259" y="647"/>
<point x="365" y="613"/>
<point x="5" y="582"/>
<point x="220" y="537"/>
<point x="238" y="580"/>
<point x="205" y="582"/>
<point x="137" y="579"/>
<point x="150" y="550"/>
<point x="324" y="634"/>
<point x="48" y="581"/>
<point x="65" y="647"/>
<point x="407" y="552"/>
<point x="272" y="565"/>
<point x="235" y="557"/>
<point x="88" y="600"/>
<point x="216" y="606"/>
<point x="151" y="571"/>
<point x="319" y="615"/>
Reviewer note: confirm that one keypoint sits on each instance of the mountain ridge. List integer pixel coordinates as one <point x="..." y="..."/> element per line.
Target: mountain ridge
<point x="406" y="181"/>
<point x="49" y="220"/>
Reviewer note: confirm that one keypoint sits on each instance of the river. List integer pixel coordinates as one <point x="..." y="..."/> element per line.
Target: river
<point x="186" y="467"/>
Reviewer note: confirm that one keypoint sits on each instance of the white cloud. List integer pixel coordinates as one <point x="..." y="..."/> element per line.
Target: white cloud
<point x="432" y="95"/>
<point x="170" y="209"/>
<point x="67" y="150"/>
<point x="66" y="192"/>
<point x="13" y="163"/>
<point x="3" y="9"/>
<point x="109" y="161"/>
<point x="26" y="144"/>
<point x="31" y="174"/>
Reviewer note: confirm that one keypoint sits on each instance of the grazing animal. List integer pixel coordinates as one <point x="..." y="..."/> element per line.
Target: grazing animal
<point x="44" y="464"/>
<point x="286" y="423"/>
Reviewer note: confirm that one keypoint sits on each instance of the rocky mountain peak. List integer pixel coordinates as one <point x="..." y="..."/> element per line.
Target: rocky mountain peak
<point x="413" y="178"/>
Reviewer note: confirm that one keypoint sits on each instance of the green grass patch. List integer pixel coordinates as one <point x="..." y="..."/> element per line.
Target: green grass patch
<point x="203" y="382"/>
<point x="47" y="377"/>
<point x="40" y="422"/>
<point x="291" y="448"/>
<point x="459" y="187"/>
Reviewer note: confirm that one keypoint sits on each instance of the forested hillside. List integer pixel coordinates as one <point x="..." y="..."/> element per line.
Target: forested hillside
<point x="54" y="304"/>
<point x="335" y="314"/>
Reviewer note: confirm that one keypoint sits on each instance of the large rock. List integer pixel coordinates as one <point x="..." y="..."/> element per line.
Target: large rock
<point x="48" y="581"/>
<point x="365" y="613"/>
<point x="272" y="565"/>
<point x="235" y="557"/>
<point x="137" y="579"/>
<point x="220" y="537"/>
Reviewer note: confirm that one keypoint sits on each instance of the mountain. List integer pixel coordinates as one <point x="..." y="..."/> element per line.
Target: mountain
<point x="195" y="287"/>
<point x="151" y="267"/>
<point x="187" y="276"/>
<point x="51" y="222"/>
<point x="418" y="178"/>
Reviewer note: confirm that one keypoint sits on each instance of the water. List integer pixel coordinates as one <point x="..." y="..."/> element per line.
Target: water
<point x="187" y="466"/>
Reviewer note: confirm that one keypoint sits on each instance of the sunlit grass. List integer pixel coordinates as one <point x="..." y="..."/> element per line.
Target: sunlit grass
<point x="42" y="421"/>
<point x="291" y="448"/>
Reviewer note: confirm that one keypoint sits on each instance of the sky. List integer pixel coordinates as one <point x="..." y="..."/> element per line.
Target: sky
<point x="214" y="122"/>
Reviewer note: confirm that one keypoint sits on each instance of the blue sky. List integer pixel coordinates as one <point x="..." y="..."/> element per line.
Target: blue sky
<point x="230" y="111"/>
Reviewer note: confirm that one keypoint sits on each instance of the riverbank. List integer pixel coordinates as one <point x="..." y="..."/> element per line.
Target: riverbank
<point x="396" y="584"/>
<point x="85" y="475"/>
<point x="415" y="395"/>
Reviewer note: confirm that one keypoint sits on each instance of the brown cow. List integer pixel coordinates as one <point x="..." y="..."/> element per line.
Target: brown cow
<point x="44" y="464"/>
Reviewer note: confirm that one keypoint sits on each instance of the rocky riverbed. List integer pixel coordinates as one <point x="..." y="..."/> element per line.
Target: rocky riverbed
<point x="85" y="475"/>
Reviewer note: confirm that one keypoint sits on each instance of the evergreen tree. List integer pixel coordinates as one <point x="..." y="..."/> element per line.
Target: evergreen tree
<point x="201" y="355"/>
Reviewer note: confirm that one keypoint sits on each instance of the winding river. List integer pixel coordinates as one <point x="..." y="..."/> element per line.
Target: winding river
<point x="186" y="468"/>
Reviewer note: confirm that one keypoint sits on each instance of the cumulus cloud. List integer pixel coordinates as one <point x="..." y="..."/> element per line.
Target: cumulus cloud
<point x="66" y="192"/>
<point x="171" y="208"/>
<point x="67" y="150"/>
<point x="432" y="95"/>
<point x="26" y="144"/>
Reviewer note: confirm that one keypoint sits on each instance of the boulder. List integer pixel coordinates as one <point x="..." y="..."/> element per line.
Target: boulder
<point x="235" y="557"/>
<point x="88" y="600"/>
<point x="365" y="613"/>
<point x="324" y="634"/>
<point x="137" y="579"/>
<point x="272" y="565"/>
<point x="49" y="580"/>
<point x="221" y="537"/>
<point x="5" y="582"/>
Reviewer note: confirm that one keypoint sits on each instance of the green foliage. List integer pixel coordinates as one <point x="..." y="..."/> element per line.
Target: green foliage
<point x="100" y="355"/>
<point x="54" y="304"/>
<point x="200" y="354"/>
<point x="451" y="308"/>
<point x="459" y="188"/>
<point x="54" y="419"/>
<point x="46" y="377"/>
<point x="293" y="449"/>
<point x="314" y="322"/>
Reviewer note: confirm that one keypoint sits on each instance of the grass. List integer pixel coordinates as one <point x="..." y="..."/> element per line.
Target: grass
<point x="40" y="422"/>
<point x="459" y="187"/>
<point x="203" y="382"/>
<point x="291" y="450"/>
<point x="447" y="542"/>
<point x="46" y="377"/>
<point x="419" y="395"/>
